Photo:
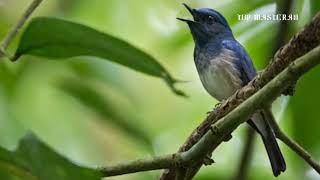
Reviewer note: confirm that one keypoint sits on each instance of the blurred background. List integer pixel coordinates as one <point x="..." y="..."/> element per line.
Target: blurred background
<point x="133" y="115"/>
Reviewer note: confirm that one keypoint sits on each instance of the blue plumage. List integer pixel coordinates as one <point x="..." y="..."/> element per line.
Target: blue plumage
<point x="244" y="62"/>
<point x="224" y="67"/>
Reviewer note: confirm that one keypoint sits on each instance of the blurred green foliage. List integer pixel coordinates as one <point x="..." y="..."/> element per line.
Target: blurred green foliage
<point x="95" y="112"/>
<point x="33" y="160"/>
<point x="56" y="38"/>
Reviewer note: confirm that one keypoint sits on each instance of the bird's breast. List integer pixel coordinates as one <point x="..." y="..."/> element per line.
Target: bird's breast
<point x="219" y="75"/>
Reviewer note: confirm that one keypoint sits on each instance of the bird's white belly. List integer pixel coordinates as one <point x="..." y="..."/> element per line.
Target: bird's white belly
<point x="221" y="79"/>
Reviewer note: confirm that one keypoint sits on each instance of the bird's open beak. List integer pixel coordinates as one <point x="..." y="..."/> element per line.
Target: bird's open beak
<point x="185" y="20"/>
<point x="198" y="31"/>
<point x="192" y="12"/>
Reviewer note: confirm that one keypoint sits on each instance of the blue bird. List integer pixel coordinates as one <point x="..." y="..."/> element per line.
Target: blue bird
<point x="224" y="67"/>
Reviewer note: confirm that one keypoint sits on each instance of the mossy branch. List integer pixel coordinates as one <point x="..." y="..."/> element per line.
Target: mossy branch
<point x="227" y="124"/>
<point x="300" y="44"/>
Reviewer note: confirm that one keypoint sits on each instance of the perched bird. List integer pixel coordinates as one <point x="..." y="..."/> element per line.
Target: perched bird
<point x="224" y="67"/>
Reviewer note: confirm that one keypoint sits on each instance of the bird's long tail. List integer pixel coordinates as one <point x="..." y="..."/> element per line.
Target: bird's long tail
<point x="259" y="122"/>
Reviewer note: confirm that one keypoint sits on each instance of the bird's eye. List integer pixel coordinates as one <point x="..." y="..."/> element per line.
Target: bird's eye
<point x="210" y="19"/>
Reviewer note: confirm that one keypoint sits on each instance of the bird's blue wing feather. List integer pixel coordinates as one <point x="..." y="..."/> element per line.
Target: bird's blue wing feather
<point x="244" y="63"/>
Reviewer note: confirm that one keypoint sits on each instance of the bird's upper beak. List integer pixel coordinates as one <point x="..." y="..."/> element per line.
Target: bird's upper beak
<point x="198" y="31"/>
<point x="192" y="12"/>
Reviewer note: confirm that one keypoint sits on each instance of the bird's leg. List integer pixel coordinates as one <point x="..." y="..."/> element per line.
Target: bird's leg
<point x="220" y="102"/>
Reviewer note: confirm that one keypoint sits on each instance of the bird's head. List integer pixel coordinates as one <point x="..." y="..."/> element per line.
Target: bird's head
<point x="206" y="24"/>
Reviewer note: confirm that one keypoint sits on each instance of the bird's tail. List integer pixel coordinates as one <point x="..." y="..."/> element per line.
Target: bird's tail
<point x="276" y="159"/>
<point x="269" y="139"/>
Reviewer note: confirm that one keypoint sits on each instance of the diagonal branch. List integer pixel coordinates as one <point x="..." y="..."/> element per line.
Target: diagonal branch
<point x="300" y="44"/>
<point x="298" y="150"/>
<point x="262" y="98"/>
<point x="224" y="126"/>
<point x="295" y="146"/>
<point x="265" y="96"/>
<point x="15" y="29"/>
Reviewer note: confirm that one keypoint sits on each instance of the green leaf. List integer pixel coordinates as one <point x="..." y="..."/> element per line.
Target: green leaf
<point x="56" y="38"/>
<point x="33" y="160"/>
<point x="109" y="107"/>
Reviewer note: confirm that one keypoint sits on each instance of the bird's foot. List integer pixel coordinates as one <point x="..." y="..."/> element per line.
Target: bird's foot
<point x="218" y="104"/>
<point x="223" y="101"/>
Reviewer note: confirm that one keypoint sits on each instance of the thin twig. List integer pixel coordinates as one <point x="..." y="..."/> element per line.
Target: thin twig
<point x="295" y="146"/>
<point x="147" y="164"/>
<point x="15" y="29"/>
<point x="299" y="150"/>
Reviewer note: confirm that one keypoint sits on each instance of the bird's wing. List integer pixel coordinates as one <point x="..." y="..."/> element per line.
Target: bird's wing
<point x="243" y="62"/>
<point x="259" y="120"/>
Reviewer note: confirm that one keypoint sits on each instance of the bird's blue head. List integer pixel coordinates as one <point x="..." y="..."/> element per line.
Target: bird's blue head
<point x="207" y="24"/>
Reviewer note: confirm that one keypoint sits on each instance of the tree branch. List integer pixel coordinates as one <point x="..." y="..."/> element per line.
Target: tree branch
<point x="148" y="164"/>
<point x="224" y="126"/>
<point x="198" y="149"/>
<point x="300" y="44"/>
<point x="265" y="96"/>
<point x="299" y="150"/>
<point x="15" y="29"/>
<point x="295" y="146"/>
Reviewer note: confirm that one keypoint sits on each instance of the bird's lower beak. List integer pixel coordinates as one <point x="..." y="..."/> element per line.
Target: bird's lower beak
<point x="185" y="20"/>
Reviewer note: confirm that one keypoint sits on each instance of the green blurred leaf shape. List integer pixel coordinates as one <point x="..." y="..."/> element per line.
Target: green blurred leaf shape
<point x="304" y="107"/>
<point x="57" y="38"/>
<point x="33" y="160"/>
<point x="314" y="7"/>
<point x="107" y="107"/>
